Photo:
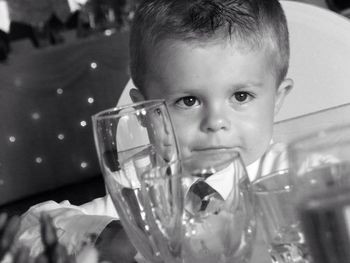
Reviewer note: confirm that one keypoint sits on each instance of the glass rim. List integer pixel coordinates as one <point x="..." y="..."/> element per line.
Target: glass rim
<point x="275" y="190"/>
<point x="235" y="155"/>
<point x="148" y="104"/>
<point x="299" y="142"/>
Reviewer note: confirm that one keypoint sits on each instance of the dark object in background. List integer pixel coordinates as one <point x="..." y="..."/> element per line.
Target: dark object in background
<point x="104" y="14"/>
<point x="8" y="229"/>
<point x="338" y="5"/>
<point x="77" y="193"/>
<point x="4" y="45"/>
<point x="53" y="250"/>
<point x="324" y="218"/>
<point x="19" y="30"/>
<point x="52" y="31"/>
<point x="94" y="17"/>
<point x="49" y="33"/>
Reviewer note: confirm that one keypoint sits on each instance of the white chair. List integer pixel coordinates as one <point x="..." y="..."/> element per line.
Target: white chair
<point x="319" y="63"/>
<point x="320" y="59"/>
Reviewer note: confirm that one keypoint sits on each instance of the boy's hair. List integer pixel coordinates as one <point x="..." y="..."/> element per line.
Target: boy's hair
<point x="251" y="23"/>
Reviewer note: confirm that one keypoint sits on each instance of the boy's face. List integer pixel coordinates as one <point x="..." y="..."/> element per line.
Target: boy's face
<point x="219" y="96"/>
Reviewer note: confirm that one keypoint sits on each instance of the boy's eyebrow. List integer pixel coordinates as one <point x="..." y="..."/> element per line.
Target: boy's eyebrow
<point x="257" y="84"/>
<point x="183" y="91"/>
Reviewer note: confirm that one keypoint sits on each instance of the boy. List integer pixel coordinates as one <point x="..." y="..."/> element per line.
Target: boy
<point x="221" y="67"/>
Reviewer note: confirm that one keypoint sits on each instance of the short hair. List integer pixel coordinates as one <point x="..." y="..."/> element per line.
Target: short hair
<point x="254" y="23"/>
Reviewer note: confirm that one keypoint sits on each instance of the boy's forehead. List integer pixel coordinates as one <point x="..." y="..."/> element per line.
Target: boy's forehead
<point x="155" y="89"/>
<point x="181" y="66"/>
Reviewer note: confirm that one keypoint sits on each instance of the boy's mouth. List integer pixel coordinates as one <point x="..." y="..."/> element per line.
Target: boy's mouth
<point x="213" y="149"/>
<point x="212" y="156"/>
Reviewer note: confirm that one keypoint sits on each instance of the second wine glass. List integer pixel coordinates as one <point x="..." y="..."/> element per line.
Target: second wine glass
<point x="212" y="193"/>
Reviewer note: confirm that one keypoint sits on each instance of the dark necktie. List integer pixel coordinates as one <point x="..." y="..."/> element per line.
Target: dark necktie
<point x="204" y="192"/>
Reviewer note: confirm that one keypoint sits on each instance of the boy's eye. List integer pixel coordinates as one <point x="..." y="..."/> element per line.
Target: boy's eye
<point x="242" y="96"/>
<point x="188" y="101"/>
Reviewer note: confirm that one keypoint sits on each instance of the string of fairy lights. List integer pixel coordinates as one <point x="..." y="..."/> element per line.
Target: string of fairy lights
<point x="61" y="136"/>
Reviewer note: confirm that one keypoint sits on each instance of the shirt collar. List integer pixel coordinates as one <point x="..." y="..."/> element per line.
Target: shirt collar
<point x="222" y="181"/>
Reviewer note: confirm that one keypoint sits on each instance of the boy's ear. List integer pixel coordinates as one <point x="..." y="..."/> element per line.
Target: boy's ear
<point x="283" y="90"/>
<point x="136" y="95"/>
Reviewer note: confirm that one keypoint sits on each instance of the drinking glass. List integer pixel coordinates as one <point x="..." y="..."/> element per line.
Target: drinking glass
<point x="213" y="191"/>
<point x="321" y="161"/>
<point x="130" y="140"/>
<point x="276" y="209"/>
<point x="320" y="171"/>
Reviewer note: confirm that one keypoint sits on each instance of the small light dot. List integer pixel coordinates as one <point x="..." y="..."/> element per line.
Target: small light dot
<point x="91" y="100"/>
<point x="83" y="123"/>
<point x="126" y="118"/>
<point x="38" y="160"/>
<point x="59" y="91"/>
<point x="35" y="116"/>
<point x="18" y="82"/>
<point x="60" y="136"/>
<point x="93" y="65"/>
<point x="131" y="15"/>
<point x="108" y="32"/>
<point x="287" y="187"/>
<point x="2" y="182"/>
<point x="12" y="138"/>
<point x="83" y="165"/>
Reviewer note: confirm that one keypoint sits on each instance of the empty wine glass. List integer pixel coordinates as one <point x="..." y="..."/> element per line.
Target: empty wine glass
<point x="320" y="171"/>
<point x="276" y="210"/>
<point x="213" y="192"/>
<point x="129" y="140"/>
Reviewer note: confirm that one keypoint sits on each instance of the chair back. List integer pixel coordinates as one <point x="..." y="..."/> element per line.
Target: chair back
<point x="320" y="59"/>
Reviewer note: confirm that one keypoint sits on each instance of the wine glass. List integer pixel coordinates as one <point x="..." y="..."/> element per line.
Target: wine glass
<point x="320" y="171"/>
<point x="276" y="212"/>
<point x="321" y="161"/>
<point x="213" y="193"/>
<point x="275" y="200"/>
<point x="129" y="140"/>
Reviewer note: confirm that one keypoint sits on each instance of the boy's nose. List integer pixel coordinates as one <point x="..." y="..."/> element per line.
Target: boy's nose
<point x="215" y="120"/>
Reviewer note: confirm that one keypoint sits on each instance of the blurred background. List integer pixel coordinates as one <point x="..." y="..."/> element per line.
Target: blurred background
<point x="45" y="22"/>
<point x="61" y="61"/>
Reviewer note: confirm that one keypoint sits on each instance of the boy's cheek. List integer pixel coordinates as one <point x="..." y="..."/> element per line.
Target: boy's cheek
<point x="184" y="131"/>
<point x="185" y="139"/>
<point x="257" y="147"/>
